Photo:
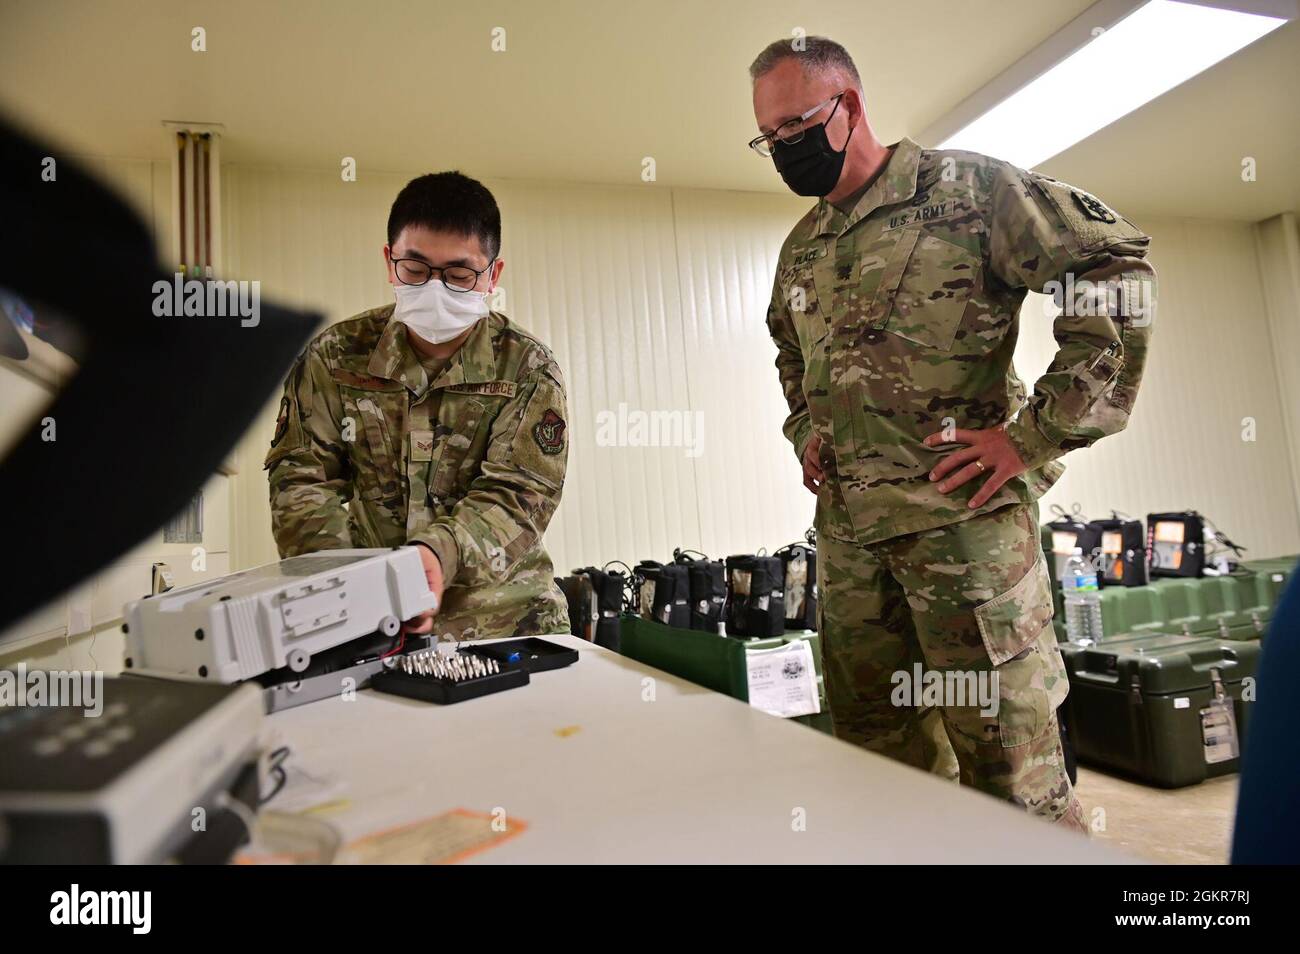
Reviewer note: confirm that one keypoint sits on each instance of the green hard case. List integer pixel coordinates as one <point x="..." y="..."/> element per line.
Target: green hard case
<point x="1135" y="704"/>
<point x="716" y="662"/>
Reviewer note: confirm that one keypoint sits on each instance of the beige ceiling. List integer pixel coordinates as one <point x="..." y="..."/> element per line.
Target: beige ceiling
<point x="585" y="90"/>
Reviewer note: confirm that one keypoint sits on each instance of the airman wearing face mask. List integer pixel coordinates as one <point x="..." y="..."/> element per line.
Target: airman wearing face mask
<point x="432" y="422"/>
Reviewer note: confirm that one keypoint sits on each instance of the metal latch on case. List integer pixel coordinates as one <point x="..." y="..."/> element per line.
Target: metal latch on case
<point x="311" y="607"/>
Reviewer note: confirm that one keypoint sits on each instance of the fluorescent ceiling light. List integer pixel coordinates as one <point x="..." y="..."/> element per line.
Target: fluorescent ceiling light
<point x="1149" y="52"/>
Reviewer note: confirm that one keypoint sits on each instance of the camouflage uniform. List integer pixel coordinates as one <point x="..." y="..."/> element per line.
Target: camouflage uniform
<point x="369" y="453"/>
<point x="899" y="320"/>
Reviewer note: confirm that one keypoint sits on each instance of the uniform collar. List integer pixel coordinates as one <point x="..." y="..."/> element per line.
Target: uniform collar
<point x="473" y="363"/>
<point x="896" y="183"/>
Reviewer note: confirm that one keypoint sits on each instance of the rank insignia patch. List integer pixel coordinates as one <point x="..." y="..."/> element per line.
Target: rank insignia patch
<point x="549" y="433"/>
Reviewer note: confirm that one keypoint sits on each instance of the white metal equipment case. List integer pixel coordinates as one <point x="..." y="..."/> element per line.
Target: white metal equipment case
<point x="248" y="623"/>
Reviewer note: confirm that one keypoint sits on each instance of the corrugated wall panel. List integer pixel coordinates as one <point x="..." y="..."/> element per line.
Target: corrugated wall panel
<point x="751" y="493"/>
<point x="591" y="271"/>
<point x="313" y="241"/>
<point x="1209" y="367"/>
<point x="1277" y="243"/>
<point x="656" y="299"/>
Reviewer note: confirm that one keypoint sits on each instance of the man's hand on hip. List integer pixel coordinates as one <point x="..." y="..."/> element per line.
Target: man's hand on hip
<point x="988" y="453"/>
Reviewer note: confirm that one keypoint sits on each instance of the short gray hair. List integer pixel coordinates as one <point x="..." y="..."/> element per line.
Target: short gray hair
<point x="816" y="54"/>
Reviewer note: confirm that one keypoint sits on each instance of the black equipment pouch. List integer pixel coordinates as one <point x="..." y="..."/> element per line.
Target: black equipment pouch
<point x="707" y="584"/>
<point x="665" y="592"/>
<point x="594" y="616"/>
<point x="1067" y="531"/>
<point x="1176" y="544"/>
<point x="799" y="569"/>
<point x="578" y="593"/>
<point x="1121" y="554"/>
<point x="755" y="596"/>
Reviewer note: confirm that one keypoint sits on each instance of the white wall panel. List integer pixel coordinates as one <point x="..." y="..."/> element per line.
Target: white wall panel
<point x="589" y="270"/>
<point x="751" y="491"/>
<point x="592" y="271"/>
<point x="1210" y="366"/>
<point x="656" y="300"/>
<point x="313" y="241"/>
<point x="1278" y="245"/>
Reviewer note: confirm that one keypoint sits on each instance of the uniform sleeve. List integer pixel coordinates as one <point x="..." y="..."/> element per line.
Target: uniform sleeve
<point x="307" y="465"/>
<point x="510" y="503"/>
<point x="789" y="367"/>
<point x="1049" y="237"/>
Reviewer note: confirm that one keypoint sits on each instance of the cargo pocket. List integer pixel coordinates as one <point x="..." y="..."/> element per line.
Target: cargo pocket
<point x="931" y="292"/>
<point x="460" y="418"/>
<point x="371" y="449"/>
<point x="1016" y="628"/>
<point x="800" y="292"/>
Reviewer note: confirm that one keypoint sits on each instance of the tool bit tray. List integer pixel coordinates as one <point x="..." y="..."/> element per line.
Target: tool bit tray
<point x="447" y="689"/>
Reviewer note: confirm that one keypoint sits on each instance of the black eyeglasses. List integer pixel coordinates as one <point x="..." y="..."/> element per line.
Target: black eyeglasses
<point x="457" y="278"/>
<point x="791" y="131"/>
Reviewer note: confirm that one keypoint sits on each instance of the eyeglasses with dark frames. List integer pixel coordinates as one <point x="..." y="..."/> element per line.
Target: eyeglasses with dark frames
<point x="457" y="278"/>
<point x="792" y="130"/>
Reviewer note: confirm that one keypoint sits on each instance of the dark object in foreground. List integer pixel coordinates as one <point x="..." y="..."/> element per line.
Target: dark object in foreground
<point x="157" y="402"/>
<point x="125" y="786"/>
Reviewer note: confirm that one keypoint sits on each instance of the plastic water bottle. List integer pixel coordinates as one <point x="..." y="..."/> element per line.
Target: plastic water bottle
<point x="1082" y="600"/>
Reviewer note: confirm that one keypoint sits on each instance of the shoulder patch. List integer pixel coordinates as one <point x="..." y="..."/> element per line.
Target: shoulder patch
<point x="549" y="432"/>
<point x="1090" y="223"/>
<point x="281" y="422"/>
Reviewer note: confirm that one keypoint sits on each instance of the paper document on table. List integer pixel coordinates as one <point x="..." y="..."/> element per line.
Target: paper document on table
<point x="782" y="681"/>
<point x="443" y="839"/>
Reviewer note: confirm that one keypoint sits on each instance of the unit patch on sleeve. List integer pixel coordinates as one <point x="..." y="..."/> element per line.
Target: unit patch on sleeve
<point x="549" y="433"/>
<point x="1093" y="207"/>
<point x="281" y="422"/>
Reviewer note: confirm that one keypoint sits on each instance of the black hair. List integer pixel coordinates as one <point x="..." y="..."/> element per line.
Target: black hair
<point x="448" y="202"/>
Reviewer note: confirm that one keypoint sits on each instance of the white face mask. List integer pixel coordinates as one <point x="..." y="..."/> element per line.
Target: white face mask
<point x="435" y="313"/>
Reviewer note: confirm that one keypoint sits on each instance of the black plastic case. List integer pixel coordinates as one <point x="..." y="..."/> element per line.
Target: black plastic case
<point x="446" y="691"/>
<point x="532" y="654"/>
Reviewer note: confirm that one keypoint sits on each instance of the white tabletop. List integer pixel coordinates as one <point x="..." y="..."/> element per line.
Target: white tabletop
<point x="600" y="775"/>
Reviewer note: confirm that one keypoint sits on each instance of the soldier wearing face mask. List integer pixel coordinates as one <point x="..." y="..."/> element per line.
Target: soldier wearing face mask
<point x="432" y="422"/>
<point x="895" y="315"/>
